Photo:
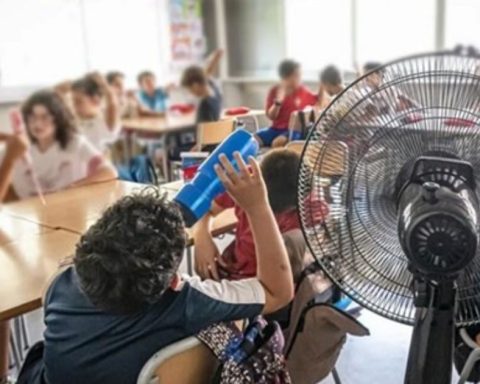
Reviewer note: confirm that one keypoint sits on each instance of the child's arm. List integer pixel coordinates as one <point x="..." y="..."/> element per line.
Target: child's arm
<point x="99" y="170"/>
<point x="112" y="111"/>
<point x="212" y="62"/>
<point x="17" y="145"/>
<point x="249" y="191"/>
<point x="275" y="102"/>
<point x="206" y="254"/>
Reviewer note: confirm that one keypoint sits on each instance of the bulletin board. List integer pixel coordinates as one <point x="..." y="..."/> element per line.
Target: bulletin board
<point x="188" y="43"/>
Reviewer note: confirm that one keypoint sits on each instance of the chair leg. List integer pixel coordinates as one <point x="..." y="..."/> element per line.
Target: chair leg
<point x="14" y="350"/>
<point x="336" y="378"/>
<point x="18" y="336"/>
<point x="25" y="336"/>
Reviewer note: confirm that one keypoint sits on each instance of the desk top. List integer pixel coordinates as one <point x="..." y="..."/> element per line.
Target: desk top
<point x="13" y="228"/>
<point x="76" y="209"/>
<point x="171" y="122"/>
<point x="27" y="266"/>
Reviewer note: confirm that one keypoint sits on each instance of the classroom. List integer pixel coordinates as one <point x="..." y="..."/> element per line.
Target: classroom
<point x="239" y="191"/>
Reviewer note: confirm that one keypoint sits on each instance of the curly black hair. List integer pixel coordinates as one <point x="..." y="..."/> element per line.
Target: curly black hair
<point x="63" y="119"/>
<point x="280" y="172"/>
<point x="128" y="258"/>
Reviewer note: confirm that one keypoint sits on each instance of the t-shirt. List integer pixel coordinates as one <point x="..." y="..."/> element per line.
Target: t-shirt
<point x="56" y="168"/>
<point x="86" y="345"/>
<point x="97" y="132"/>
<point x="156" y="102"/>
<point x="299" y="99"/>
<point x="240" y="254"/>
<point x="210" y="107"/>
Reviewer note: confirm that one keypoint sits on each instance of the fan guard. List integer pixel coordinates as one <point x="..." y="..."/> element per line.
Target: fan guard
<point x="425" y="103"/>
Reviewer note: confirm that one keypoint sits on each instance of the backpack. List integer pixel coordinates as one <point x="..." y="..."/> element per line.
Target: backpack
<point x="139" y="169"/>
<point x="316" y="330"/>
<point x="254" y="356"/>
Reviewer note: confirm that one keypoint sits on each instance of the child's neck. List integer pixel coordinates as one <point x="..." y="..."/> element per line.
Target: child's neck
<point x="45" y="144"/>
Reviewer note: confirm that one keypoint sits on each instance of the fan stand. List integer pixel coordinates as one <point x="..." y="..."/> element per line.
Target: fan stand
<point x="431" y="348"/>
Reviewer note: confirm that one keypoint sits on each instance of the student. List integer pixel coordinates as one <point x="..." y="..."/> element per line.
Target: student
<point x="98" y="122"/>
<point x="123" y="300"/>
<point x="60" y="159"/>
<point x="127" y="103"/>
<point x="331" y="84"/>
<point x="279" y="169"/>
<point x="283" y="99"/>
<point x="391" y="97"/>
<point x="152" y="99"/>
<point x="199" y="82"/>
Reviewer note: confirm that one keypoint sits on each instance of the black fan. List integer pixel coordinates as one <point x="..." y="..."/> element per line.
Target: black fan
<point x="402" y="145"/>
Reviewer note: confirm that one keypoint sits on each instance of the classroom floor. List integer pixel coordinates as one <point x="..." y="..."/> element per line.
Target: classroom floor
<point x="377" y="359"/>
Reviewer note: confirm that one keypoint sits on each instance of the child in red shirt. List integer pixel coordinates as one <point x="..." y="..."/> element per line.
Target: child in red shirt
<point x="279" y="169"/>
<point x="283" y="99"/>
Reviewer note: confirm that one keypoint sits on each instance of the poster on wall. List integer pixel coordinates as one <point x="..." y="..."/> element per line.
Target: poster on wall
<point x="186" y="30"/>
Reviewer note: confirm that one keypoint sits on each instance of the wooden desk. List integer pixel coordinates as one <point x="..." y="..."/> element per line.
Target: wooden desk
<point x="14" y="228"/>
<point x="73" y="209"/>
<point x="171" y="123"/>
<point x="36" y="238"/>
<point x="76" y="209"/>
<point x="27" y="267"/>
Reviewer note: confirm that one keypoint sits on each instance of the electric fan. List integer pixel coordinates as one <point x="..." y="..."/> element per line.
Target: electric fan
<point x="402" y="144"/>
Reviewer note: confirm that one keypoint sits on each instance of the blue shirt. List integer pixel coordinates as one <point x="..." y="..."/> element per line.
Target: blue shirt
<point x="156" y="102"/>
<point x="86" y="345"/>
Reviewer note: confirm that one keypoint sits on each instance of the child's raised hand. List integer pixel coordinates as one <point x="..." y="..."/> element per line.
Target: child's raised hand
<point x="246" y="186"/>
<point x="17" y="146"/>
<point x="281" y="92"/>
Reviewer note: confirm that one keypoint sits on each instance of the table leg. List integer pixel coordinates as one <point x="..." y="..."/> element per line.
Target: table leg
<point x="189" y="260"/>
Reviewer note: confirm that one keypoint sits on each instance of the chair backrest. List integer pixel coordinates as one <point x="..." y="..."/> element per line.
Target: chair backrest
<point x="332" y="157"/>
<point x="296" y="146"/>
<point x="187" y="361"/>
<point x="214" y="132"/>
<point x="249" y="123"/>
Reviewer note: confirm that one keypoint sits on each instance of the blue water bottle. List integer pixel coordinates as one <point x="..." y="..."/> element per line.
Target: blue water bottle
<point x="195" y="198"/>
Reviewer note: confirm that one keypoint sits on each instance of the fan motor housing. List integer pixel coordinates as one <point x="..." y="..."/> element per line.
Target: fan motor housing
<point x="437" y="226"/>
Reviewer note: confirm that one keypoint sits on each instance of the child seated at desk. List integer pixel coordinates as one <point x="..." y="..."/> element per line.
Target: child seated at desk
<point x="127" y="103"/>
<point x="97" y="110"/>
<point x="331" y="84"/>
<point x="283" y="99"/>
<point x="279" y="169"/>
<point x="60" y="158"/>
<point x="123" y="300"/>
<point x="152" y="99"/>
<point x="199" y="82"/>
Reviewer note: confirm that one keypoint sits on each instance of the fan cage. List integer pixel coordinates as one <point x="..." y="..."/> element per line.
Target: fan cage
<point x="427" y="102"/>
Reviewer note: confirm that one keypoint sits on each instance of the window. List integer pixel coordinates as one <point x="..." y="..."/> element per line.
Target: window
<point x="319" y="33"/>
<point x="41" y="41"/>
<point x="125" y="38"/>
<point x="387" y="30"/>
<point x="462" y="23"/>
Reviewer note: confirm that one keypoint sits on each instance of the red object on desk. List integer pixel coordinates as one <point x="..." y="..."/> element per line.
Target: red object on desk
<point x="182" y="108"/>
<point x="459" y="122"/>
<point x="237" y="111"/>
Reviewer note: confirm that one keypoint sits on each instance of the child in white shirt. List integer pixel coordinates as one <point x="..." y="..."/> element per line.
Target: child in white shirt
<point x="96" y="108"/>
<point x="60" y="158"/>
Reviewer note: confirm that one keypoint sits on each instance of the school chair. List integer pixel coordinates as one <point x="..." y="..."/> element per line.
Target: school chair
<point x="472" y="359"/>
<point x="301" y="122"/>
<point x="249" y="123"/>
<point x="296" y="146"/>
<point x="187" y="361"/>
<point x="209" y="134"/>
